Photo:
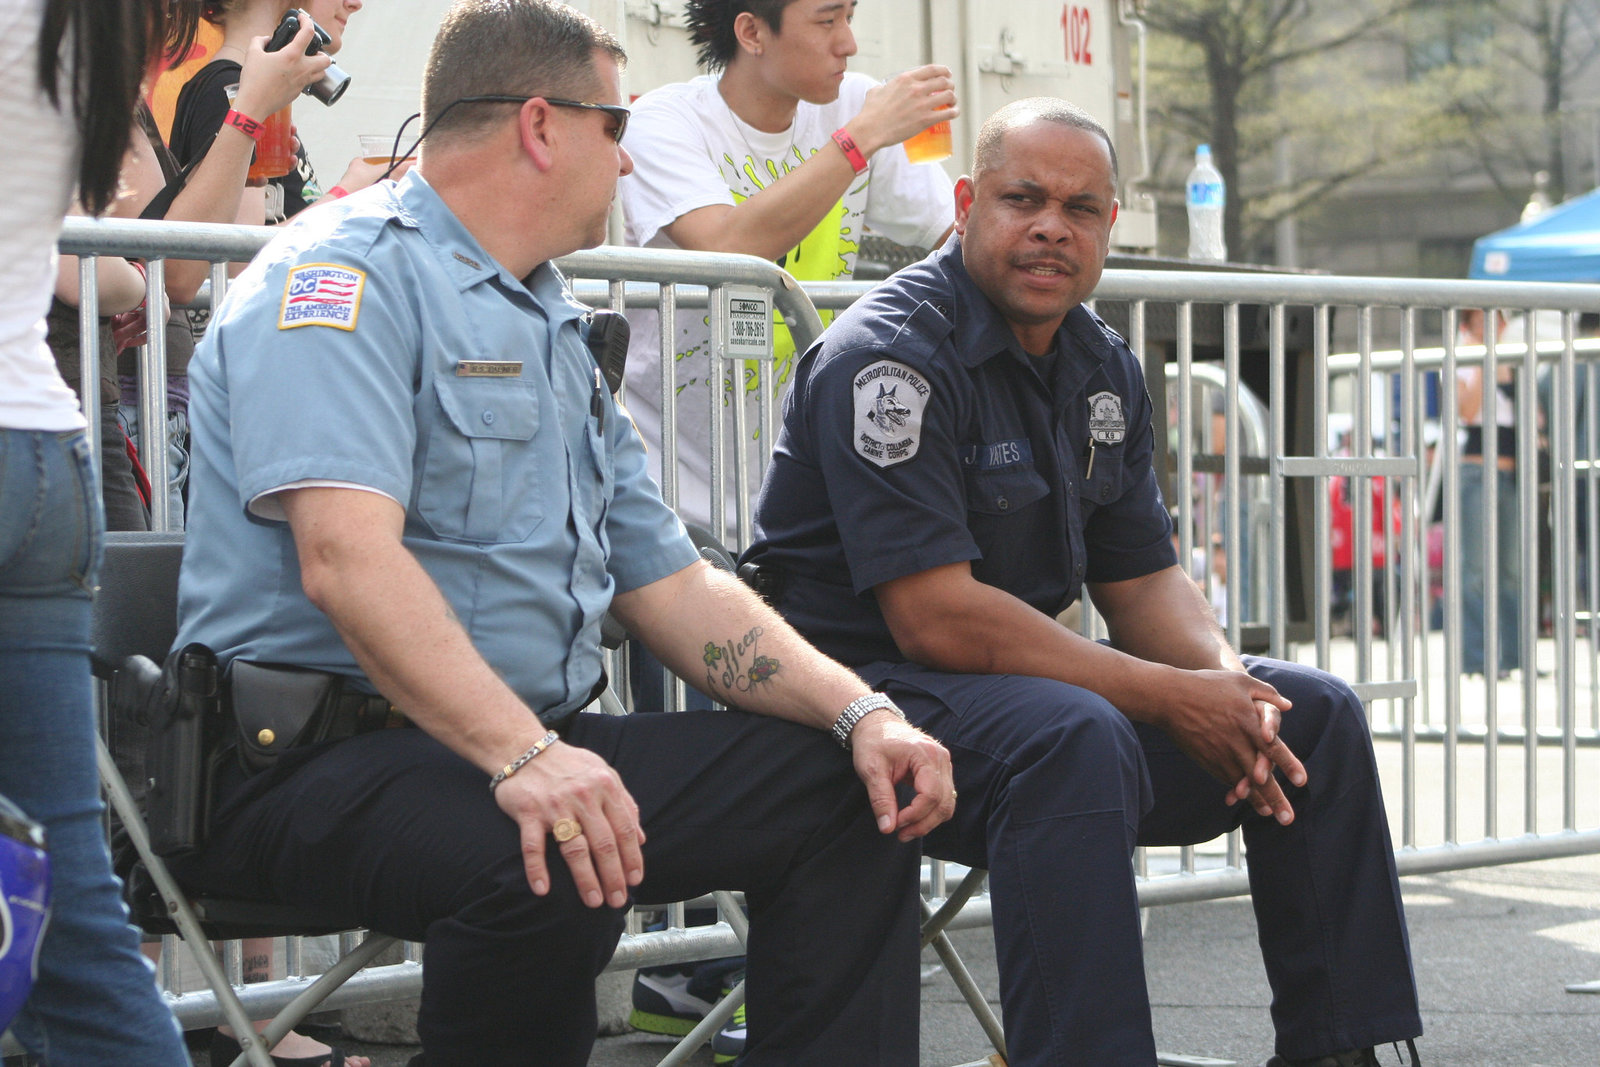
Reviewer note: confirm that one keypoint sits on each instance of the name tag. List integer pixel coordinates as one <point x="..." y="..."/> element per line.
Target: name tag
<point x="988" y="457"/>
<point x="489" y="368"/>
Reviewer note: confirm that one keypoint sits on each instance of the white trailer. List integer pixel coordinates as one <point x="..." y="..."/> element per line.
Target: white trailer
<point x="1086" y="51"/>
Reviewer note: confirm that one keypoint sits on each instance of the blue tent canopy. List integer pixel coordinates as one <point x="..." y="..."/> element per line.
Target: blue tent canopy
<point x="1562" y="245"/>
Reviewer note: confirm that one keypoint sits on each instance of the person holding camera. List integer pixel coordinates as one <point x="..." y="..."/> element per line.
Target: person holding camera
<point x="205" y="115"/>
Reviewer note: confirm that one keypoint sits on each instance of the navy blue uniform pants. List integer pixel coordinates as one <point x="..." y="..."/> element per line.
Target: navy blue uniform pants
<point x="395" y="831"/>
<point x="1057" y="787"/>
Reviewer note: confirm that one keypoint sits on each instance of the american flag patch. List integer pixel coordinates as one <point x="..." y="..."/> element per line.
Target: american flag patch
<point x="321" y="294"/>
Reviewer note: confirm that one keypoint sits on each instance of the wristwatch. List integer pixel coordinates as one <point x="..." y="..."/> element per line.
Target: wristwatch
<point x="856" y="710"/>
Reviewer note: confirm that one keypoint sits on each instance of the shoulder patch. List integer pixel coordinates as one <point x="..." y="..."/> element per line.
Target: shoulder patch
<point x="1106" y="422"/>
<point x="321" y="294"/>
<point x="889" y="399"/>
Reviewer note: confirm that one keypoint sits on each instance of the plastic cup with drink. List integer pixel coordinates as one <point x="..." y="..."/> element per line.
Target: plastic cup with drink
<point x="932" y="145"/>
<point x="275" y="148"/>
<point x="379" y="148"/>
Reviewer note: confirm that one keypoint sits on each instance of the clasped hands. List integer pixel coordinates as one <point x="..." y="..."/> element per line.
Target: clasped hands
<point x="1228" y="722"/>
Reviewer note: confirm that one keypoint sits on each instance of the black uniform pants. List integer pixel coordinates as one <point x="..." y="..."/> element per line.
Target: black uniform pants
<point x="1057" y="787"/>
<point x="393" y="829"/>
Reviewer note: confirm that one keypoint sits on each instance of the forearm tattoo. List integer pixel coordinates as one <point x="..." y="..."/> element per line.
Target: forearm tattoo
<point x="737" y="665"/>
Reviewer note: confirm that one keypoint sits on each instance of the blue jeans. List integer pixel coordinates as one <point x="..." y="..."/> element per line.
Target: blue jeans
<point x="95" y="1001"/>
<point x="1508" y="578"/>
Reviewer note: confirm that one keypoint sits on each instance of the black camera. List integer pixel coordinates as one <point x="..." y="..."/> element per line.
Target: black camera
<point x="331" y="86"/>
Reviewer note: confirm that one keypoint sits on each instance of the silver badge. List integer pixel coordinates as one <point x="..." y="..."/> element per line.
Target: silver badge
<point x="1106" y="424"/>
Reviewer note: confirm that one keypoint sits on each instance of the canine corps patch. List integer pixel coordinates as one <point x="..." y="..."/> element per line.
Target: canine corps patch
<point x="1106" y="424"/>
<point x="321" y="294"/>
<point x="889" y="401"/>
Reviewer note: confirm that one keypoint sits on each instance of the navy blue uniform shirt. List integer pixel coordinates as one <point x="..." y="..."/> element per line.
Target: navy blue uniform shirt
<point x="919" y="433"/>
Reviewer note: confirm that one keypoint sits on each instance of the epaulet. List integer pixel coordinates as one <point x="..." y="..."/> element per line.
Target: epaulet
<point x="927" y="326"/>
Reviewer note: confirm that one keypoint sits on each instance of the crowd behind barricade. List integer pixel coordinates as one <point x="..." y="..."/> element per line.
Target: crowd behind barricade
<point x="410" y="481"/>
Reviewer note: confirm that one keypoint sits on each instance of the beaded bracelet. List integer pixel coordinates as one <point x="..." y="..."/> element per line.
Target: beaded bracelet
<point x="521" y="761"/>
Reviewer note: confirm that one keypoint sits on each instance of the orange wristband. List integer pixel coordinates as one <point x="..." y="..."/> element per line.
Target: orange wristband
<point x="852" y="152"/>
<point x="136" y="265"/>
<point x="244" y="124"/>
<point x="338" y="192"/>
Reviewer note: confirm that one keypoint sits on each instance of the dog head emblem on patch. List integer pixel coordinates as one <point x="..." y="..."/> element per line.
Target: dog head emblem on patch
<point x="889" y="399"/>
<point x="888" y="414"/>
<point x="1106" y="424"/>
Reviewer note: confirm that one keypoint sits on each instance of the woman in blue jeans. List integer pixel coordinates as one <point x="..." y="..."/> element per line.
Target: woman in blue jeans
<point x="94" y="1001"/>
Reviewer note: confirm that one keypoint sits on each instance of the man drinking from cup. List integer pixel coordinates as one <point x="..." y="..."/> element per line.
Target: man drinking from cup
<point x="777" y="152"/>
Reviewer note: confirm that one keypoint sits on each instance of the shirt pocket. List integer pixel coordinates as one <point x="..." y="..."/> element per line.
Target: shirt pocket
<point x="1103" y="483"/>
<point x="1004" y="492"/>
<point x="480" y="479"/>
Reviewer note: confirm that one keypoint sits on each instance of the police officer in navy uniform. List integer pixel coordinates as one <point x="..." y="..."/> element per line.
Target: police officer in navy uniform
<point x="409" y="475"/>
<point x="967" y="450"/>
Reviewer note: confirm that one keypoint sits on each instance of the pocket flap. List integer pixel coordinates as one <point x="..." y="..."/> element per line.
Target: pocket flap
<point x="503" y="408"/>
<point x="1004" y="492"/>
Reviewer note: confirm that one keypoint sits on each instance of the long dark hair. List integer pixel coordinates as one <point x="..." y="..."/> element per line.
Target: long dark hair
<point x="103" y="47"/>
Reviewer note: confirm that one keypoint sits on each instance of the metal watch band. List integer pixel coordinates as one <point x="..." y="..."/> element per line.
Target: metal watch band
<point x="856" y="710"/>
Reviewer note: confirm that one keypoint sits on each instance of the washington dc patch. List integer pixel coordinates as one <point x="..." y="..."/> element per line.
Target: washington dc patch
<point x="1106" y="424"/>
<point x="321" y="294"/>
<point x="889" y="401"/>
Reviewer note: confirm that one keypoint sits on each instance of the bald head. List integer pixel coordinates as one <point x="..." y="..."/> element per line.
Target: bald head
<point x="990" y="150"/>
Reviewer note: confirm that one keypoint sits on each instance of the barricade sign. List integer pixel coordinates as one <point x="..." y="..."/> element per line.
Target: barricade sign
<point x="749" y="318"/>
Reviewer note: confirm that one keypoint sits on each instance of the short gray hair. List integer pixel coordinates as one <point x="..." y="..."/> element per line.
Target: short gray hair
<point x="990" y="149"/>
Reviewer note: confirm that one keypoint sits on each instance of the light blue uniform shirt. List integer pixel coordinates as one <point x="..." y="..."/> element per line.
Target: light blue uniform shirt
<point x="376" y="343"/>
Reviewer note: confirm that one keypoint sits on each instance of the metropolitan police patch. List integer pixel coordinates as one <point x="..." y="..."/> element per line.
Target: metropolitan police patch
<point x="1106" y="424"/>
<point x="321" y="294"/>
<point x="889" y="400"/>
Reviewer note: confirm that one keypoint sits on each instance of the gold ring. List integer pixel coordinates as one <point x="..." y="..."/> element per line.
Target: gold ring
<point x="565" y="830"/>
<point x="952" y="795"/>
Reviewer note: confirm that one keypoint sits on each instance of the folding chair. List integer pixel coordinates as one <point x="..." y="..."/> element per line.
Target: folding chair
<point x="135" y="613"/>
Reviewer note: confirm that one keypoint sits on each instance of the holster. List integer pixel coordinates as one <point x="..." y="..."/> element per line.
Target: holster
<point x="275" y="707"/>
<point x="181" y="703"/>
<point x="765" y="579"/>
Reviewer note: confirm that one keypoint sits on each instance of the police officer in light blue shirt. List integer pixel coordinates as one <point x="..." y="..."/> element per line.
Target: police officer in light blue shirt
<point x="413" y="488"/>
<point x="964" y="452"/>
<point x="485" y="414"/>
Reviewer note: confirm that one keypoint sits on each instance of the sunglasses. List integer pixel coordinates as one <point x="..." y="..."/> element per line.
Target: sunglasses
<point x="618" y="113"/>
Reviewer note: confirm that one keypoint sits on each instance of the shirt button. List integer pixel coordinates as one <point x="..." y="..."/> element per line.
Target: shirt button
<point x="1105" y="492"/>
<point x="488" y="418"/>
<point x="1002" y="503"/>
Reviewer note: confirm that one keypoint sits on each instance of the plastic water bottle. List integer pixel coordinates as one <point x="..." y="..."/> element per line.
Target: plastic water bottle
<point x="1206" y="197"/>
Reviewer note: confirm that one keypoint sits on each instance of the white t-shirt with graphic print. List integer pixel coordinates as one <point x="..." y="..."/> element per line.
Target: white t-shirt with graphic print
<point x="691" y="151"/>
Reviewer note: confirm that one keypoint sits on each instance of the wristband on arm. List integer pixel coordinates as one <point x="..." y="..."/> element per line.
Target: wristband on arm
<point x="851" y="150"/>
<point x="143" y="277"/>
<point x="244" y="124"/>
